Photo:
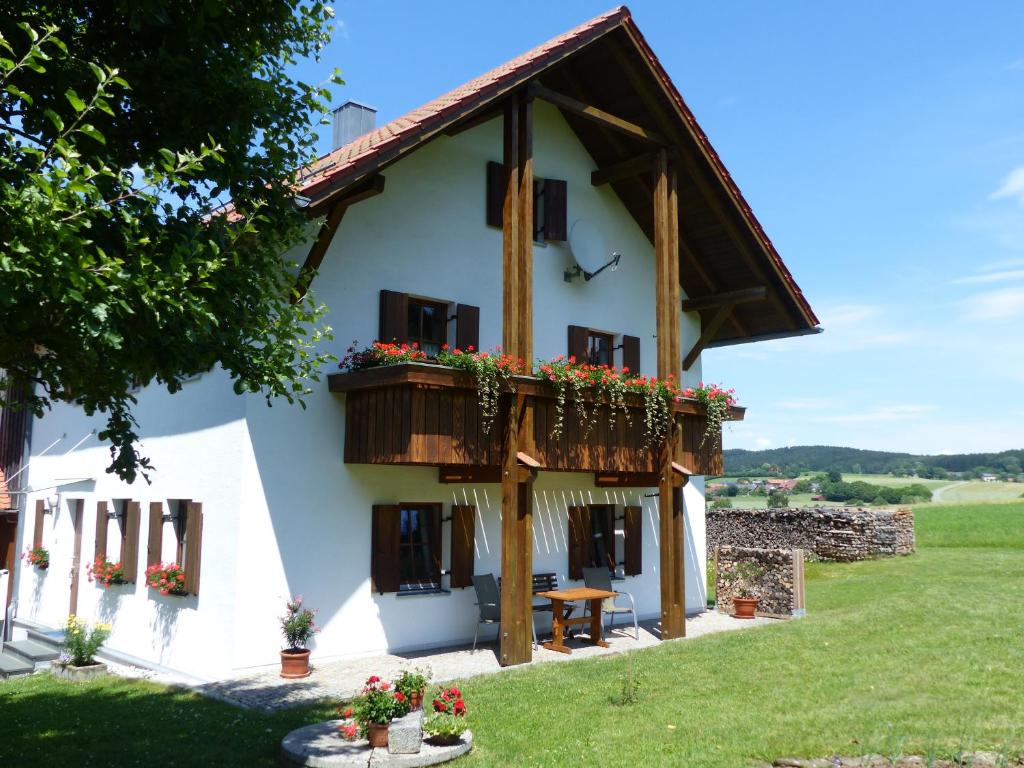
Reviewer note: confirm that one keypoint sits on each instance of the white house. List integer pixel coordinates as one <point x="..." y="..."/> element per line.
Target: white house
<point x="463" y="222"/>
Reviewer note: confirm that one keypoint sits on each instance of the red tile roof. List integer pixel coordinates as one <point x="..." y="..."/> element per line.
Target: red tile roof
<point x="347" y="164"/>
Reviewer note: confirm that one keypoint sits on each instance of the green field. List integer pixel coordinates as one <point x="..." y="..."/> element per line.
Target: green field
<point x="915" y="654"/>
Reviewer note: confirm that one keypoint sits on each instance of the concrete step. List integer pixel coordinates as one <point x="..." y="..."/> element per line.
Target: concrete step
<point x="34" y="653"/>
<point x="12" y="666"/>
<point x="51" y="638"/>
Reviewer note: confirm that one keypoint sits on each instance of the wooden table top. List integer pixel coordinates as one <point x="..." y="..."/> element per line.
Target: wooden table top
<point x="576" y="593"/>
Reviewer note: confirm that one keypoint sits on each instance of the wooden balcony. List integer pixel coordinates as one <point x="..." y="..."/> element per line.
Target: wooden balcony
<point x="428" y="415"/>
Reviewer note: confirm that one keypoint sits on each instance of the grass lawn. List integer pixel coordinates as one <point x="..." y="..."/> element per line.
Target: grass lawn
<point x="923" y="653"/>
<point x="976" y="491"/>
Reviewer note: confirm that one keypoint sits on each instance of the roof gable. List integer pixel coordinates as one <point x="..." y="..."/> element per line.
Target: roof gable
<point x="607" y="63"/>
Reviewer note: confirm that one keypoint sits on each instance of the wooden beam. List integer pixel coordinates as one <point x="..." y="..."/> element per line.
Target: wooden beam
<point x="517" y="338"/>
<point x="589" y="111"/>
<point x="634" y="166"/>
<point x="370" y="188"/>
<point x="468" y="475"/>
<point x="707" y="334"/>
<point x="738" y="296"/>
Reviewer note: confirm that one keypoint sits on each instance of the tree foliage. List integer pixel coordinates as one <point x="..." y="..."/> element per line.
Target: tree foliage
<point x="124" y="126"/>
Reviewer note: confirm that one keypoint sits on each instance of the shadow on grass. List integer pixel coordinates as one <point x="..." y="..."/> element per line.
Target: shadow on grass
<point x="113" y="721"/>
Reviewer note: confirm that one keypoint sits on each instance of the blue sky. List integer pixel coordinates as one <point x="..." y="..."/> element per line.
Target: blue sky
<point x="880" y="144"/>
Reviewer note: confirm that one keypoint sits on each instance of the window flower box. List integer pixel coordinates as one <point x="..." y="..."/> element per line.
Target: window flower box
<point x="167" y="578"/>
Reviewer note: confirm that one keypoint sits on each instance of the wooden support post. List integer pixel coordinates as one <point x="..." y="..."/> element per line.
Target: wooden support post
<point x="517" y="340"/>
<point x="667" y="309"/>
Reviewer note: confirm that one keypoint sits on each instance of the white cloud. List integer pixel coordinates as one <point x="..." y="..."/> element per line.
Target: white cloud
<point x="1003" y="276"/>
<point x="882" y="413"/>
<point x="1013" y="186"/>
<point x="994" y="305"/>
<point x="847" y="327"/>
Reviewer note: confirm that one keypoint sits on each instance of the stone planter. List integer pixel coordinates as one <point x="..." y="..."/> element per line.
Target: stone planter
<point x="745" y="607"/>
<point x="78" y="674"/>
<point x="295" y="663"/>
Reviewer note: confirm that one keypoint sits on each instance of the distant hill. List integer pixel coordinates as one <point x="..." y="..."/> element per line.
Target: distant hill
<point x="822" y="458"/>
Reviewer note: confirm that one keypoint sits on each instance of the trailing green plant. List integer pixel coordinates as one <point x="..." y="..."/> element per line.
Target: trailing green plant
<point x="717" y="402"/>
<point x="82" y="641"/>
<point x="37" y="556"/>
<point x="493" y="373"/>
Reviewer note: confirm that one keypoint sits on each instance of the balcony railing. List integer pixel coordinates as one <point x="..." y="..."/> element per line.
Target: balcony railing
<point x="423" y="414"/>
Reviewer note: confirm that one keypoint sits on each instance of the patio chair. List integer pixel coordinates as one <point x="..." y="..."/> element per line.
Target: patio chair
<point x="601" y="578"/>
<point x="488" y="599"/>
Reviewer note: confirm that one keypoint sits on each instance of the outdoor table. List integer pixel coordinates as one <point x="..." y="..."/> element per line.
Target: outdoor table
<point x="559" y="598"/>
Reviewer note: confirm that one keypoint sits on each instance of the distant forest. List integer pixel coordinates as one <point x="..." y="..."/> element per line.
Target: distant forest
<point x="789" y="462"/>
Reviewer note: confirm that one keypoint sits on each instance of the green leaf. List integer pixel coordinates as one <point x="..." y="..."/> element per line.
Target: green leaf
<point x="54" y="118"/>
<point x="92" y="132"/>
<point x="76" y="103"/>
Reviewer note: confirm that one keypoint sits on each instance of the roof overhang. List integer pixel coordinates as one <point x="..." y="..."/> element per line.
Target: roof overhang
<point x="607" y="65"/>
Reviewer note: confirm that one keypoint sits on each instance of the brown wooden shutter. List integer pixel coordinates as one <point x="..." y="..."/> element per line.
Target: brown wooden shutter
<point x="435" y="539"/>
<point x="579" y="338"/>
<point x="101" y="530"/>
<point x="130" y="540"/>
<point x="463" y="532"/>
<point x="193" y="546"/>
<point x="467" y="326"/>
<point x="631" y="354"/>
<point x="632" y="528"/>
<point x="156" y="532"/>
<point x="495" y="193"/>
<point x="37" y="531"/>
<point x="579" y="540"/>
<point x="394" y="317"/>
<point x="555" y="210"/>
<point x="385" y="537"/>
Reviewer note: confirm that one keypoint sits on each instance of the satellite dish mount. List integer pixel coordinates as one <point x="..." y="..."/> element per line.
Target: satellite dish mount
<point x="588" y="252"/>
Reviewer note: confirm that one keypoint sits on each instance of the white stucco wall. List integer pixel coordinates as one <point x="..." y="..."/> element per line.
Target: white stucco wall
<point x="283" y="514"/>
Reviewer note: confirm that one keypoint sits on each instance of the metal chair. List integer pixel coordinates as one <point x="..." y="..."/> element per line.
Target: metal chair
<point x="601" y="578"/>
<point x="488" y="599"/>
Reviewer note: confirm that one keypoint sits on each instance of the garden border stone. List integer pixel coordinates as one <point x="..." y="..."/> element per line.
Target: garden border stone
<point x="320" y="746"/>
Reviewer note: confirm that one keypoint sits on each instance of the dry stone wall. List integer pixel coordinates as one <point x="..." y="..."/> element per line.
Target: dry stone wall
<point x="832" y="533"/>
<point x="781" y="588"/>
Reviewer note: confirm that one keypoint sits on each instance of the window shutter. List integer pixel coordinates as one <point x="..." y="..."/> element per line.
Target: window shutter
<point x="631" y="354"/>
<point x="193" y="546"/>
<point x="632" y="527"/>
<point x="156" y="531"/>
<point x="463" y="532"/>
<point x="394" y="317"/>
<point x="579" y="541"/>
<point x="579" y="337"/>
<point x="101" y="530"/>
<point x="555" y="210"/>
<point x="37" y="531"/>
<point x="130" y="541"/>
<point x="467" y="326"/>
<point x="386" y="534"/>
<point x="606" y="520"/>
<point x="495" y="193"/>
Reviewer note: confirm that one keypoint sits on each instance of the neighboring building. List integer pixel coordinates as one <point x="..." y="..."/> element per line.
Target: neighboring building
<point x="260" y="503"/>
<point x="988" y="477"/>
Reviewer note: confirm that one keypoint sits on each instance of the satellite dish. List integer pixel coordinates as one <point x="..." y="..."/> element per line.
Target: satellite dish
<point x="589" y="252"/>
<point x="587" y="246"/>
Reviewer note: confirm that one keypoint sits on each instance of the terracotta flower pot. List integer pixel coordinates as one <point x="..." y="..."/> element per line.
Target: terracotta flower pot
<point x="295" y="663"/>
<point x="377" y="734"/>
<point x="745" y="607"/>
<point x="415" y="700"/>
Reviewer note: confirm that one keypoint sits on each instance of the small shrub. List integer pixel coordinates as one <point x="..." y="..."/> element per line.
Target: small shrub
<point x="778" y="499"/>
<point x="82" y="642"/>
<point x="722" y="502"/>
<point x="879" y="501"/>
<point x="412" y="681"/>
<point x="298" y="624"/>
<point x="447" y="721"/>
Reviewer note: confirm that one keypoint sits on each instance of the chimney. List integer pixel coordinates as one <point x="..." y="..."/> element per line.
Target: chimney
<point x="352" y="120"/>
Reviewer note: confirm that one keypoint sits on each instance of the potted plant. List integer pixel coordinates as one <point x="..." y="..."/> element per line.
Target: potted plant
<point x="106" y="573"/>
<point x="37" y="556"/>
<point x="169" y="578"/>
<point x="745" y="580"/>
<point x="370" y="714"/>
<point x="447" y="722"/>
<point x="298" y="628"/>
<point x="412" y="683"/>
<point x="78" y="655"/>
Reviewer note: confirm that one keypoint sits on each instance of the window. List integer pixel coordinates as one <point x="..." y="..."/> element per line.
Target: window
<point x="186" y="518"/>
<point x="602" y="537"/>
<point x="550" y="210"/>
<point x="600" y="348"/>
<point x="418" y="547"/>
<point x="427" y="324"/>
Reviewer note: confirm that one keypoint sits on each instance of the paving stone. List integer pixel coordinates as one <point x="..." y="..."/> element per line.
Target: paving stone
<point x="406" y="734"/>
<point x="320" y="746"/>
